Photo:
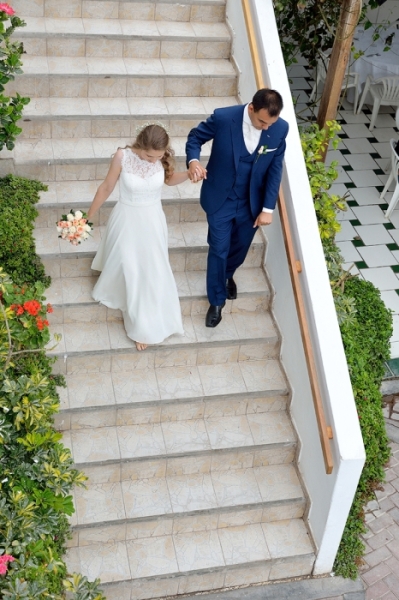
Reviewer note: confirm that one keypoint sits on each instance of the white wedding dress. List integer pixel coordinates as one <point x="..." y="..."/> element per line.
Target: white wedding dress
<point x="133" y="256"/>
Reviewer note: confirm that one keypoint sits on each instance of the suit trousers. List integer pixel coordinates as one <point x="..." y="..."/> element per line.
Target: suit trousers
<point x="230" y="233"/>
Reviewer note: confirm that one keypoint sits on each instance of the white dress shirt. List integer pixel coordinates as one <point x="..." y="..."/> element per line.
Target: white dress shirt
<point x="251" y="139"/>
<point x="250" y="133"/>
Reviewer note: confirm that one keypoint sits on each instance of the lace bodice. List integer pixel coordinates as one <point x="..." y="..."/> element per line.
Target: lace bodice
<point x="141" y="181"/>
<point x="132" y="163"/>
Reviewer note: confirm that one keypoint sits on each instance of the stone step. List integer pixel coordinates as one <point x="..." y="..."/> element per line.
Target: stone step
<point x="184" y="236"/>
<point x="118" y="118"/>
<point x="68" y="264"/>
<point x="96" y="37"/>
<point x="112" y="510"/>
<point x="169" y="563"/>
<point x="187" y="250"/>
<point x="196" y="388"/>
<point x="75" y="158"/>
<point x="197" y="11"/>
<point x="180" y="203"/>
<point x="92" y="364"/>
<point x="72" y="300"/>
<point x="126" y="528"/>
<point x="222" y="440"/>
<point x="307" y="588"/>
<point x="81" y="77"/>
<point x="176" y="211"/>
<point x="77" y="194"/>
<point x="110" y="336"/>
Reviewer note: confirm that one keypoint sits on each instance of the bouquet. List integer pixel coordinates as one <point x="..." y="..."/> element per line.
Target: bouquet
<point x="74" y="227"/>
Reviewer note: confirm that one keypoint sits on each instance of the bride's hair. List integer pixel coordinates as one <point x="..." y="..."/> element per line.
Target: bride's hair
<point x="154" y="137"/>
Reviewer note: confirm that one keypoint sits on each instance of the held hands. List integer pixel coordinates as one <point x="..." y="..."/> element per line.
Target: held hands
<point x="264" y="218"/>
<point x="196" y="171"/>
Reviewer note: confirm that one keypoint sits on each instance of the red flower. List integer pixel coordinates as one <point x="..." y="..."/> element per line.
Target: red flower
<point x="17" y="308"/>
<point x="32" y="307"/>
<point x="7" y="9"/>
<point x="50" y="309"/>
<point x="41" y="323"/>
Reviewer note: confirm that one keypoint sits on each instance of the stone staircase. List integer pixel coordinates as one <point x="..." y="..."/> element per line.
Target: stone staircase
<point x="188" y="446"/>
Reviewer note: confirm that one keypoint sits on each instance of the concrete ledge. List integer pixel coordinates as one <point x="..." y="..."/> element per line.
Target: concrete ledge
<point x="326" y="588"/>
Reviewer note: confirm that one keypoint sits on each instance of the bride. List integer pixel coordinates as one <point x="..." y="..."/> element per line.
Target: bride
<point x="136" y="276"/>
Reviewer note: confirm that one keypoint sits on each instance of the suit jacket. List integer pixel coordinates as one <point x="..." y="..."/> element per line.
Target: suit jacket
<point x="224" y="127"/>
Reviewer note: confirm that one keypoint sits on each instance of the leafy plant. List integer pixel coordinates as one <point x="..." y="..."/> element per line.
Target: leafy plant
<point x="366" y="328"/>
<point x="10" y="65"/>
<point x="308" y="27"/>
<point x="37" y="472"/>
<point x="321" y="176"/>
<point x="18" y="212"/>
<point x="366" y="342"/>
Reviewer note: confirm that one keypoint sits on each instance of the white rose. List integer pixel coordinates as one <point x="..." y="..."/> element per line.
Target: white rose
<point x="78" y="214"/>
<point x="59" y="229"/>
<point x="84" y="236"/>
<point x="72" y="229"/>
<point x="70" y="217"/>
<point x="87" y="227"/>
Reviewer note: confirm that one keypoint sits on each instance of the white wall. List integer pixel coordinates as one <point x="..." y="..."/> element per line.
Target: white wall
<point x="330" y="495"/>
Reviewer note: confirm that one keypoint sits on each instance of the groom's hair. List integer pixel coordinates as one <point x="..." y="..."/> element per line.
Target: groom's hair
<point x="268" y="99"/>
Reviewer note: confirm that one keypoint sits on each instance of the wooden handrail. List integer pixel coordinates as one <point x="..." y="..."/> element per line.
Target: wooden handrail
<point x="295" y="268"/>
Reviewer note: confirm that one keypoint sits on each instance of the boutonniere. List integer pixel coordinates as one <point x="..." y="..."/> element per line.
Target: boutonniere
<point x="262" y="150"/>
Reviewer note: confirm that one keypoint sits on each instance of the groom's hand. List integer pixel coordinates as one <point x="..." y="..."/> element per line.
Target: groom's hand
<point x="265" y="218"/>
<point x="196" y="171"/>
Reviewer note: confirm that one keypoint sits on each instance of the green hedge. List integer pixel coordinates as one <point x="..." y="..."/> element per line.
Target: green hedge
<point x="18" y="197"/>
<point x="366" y="342"/>
<point x="37" y="472"/>
<point x="366" y="328"/>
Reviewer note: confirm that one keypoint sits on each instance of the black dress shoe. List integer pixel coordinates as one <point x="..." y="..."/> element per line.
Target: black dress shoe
<point x="231" y="289"/>
<point x="214" y="315"/>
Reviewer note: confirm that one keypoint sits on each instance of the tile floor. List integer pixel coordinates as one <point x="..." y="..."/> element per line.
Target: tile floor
<point x="369" y="242"/>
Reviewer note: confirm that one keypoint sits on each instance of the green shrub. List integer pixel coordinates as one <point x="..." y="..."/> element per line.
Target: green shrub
<point x="366" y="342"/>
<point x="366" y="328"/>
<point x="10" y="65"/>
<point x="37" y="471"/>
<point x="18" y="212"/>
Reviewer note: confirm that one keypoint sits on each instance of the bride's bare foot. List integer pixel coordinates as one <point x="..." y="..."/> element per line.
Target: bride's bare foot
<point x="140" y="346"/>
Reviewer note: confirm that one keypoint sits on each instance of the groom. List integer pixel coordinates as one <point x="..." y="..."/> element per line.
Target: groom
<point x="240" y="186"/>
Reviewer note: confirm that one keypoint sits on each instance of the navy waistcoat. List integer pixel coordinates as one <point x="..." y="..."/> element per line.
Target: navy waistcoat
<point x="243" y="174"/>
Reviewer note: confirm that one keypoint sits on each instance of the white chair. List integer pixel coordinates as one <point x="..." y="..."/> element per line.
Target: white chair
<point x="393" y="175"/>
<point x="385" y="92"/>
<point x="351" y="80"/>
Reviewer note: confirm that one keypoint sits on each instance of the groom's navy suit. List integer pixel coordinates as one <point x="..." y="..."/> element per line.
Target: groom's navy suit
<point x="238" y="186"/>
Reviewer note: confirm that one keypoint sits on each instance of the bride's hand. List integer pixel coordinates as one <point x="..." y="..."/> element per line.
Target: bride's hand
<point x="196" y="171"/>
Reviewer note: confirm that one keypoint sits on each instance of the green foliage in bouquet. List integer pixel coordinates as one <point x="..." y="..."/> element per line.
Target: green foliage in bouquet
<point x="18" y="197"/>
<point x="10" y="65"/>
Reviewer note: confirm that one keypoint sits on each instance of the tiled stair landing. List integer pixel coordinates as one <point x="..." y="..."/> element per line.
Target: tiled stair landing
<point x="188" y="446"/>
